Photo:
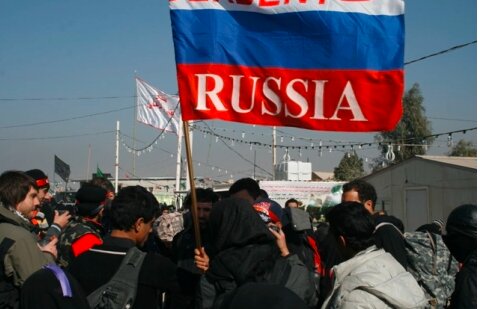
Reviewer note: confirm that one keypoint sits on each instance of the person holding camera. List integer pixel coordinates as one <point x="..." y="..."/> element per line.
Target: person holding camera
<point x="86" y="230"/>
<point x="48" y="222"/>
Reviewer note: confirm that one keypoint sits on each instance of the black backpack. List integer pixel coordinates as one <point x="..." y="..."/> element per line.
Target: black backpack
<point x="9" y="294"/>
<point x="120" y="291"/>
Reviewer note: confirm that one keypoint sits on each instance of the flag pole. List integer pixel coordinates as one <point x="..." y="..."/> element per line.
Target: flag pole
<point x="188" y="151"/>
<point x="191" y="155"/>
<point x="274" y="150"/>
<point x="179" y="164"/>
<point x="134" y="153"/>
<point x="88" y="161"/>
<point x="117" y="156"/>
<point x="54" y="182"/>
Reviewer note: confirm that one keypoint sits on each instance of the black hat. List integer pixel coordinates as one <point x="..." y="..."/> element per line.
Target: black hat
<point x="90" y="200"/>
<point x="463" y="220"/>
<point x="40" y="178"/>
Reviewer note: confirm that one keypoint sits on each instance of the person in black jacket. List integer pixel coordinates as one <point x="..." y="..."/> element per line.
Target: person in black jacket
<point x="246" y="250"/>
<point x="386" y="236"/>
<point x="183" y="244"/>
<point x="461" y="239"/>
<point x="54" y="288"/>
<point x="132" y="214"/>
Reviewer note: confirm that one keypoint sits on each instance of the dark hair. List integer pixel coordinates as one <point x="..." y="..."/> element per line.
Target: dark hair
<point x="263" y="194"/>
<point x="203" y="196"/>
<point x="365" y="190"/>
<point x="130" y="204"/>
<point x="249" y="184"/>
<point x="14" y="187"/>
<point x="352" y="221"/>
<point x="292" y="200"/>
<point x="102" y="183"/>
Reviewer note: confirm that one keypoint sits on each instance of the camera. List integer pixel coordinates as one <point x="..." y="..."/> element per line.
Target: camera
<point x="275" y="228"/>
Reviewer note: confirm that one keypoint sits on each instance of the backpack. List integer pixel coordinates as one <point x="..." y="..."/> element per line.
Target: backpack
<point x="168" y="225"/>
<point x="120" y="291"/>
<point x="431" y="264"/>
<point x="9" y="293"/>
<point x="62" y="279"/>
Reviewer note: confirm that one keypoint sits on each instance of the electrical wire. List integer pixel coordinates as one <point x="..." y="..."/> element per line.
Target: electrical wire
<point x="440" y="52"/>
<point x="172" y="154"/>
<point x="67" y="99"/>
<point x="64" y="120"/>
<point x="240" y="155"/>
<point x="54" y="137"/>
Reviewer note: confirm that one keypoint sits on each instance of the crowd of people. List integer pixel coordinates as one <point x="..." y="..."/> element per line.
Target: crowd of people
<point x="249" y="251"/>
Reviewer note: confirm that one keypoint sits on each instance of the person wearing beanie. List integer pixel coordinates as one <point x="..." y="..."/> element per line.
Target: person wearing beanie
<point x="108" y="186"/>
<point x="461" y="240"/>
<point x="41" y="180"/>
<point x="43" y="185"/>
<point x="48" y="223"/>
<point x="86" y="230"/>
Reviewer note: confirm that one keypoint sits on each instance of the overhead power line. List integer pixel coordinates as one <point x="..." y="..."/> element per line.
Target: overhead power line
<point x="452" y="119"/>
<point x="52" y="137"/>
<point x="239" y="154"/>
<point x="66" y="119"/>
<point x="440" y="52"/>
<point x="67" y="99"/>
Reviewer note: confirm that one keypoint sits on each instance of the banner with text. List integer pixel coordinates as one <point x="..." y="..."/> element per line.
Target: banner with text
<point x="313" y="194"/>
<point x="334" y="65"/>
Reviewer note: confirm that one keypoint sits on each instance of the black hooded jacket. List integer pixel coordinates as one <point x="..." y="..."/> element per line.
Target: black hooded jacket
<point x="244" y="250"/>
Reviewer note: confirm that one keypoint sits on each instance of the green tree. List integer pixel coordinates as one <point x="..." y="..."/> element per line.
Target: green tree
<point x="463" y="149"/>
<point x="411" y="131"/>
<point x="349" y="168"/>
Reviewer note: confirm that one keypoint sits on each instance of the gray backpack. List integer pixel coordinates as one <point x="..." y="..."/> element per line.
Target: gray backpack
<point x="432" y="265"/>
<point x="120" y="291"/>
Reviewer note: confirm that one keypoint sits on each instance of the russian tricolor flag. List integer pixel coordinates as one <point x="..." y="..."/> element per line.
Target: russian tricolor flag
<point x="334" y="65"/>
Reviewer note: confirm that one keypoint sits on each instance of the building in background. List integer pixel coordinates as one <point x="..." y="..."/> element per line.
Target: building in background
<point x="425" y="188"/>
<point x="293" y="171"/>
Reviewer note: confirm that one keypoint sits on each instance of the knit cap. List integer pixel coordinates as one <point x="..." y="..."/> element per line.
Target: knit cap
<point x="40" y="178"/>
<point x="90" y="200"/>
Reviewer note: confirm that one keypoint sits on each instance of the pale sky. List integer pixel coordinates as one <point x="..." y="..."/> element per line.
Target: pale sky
<point x="67" y="72"/>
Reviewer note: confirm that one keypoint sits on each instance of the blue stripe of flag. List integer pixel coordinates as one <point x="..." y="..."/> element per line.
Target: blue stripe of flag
<point x="300" y="40"/>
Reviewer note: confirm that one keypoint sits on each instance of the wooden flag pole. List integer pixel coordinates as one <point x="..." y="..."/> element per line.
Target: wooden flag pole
<point x="193" y="194"/>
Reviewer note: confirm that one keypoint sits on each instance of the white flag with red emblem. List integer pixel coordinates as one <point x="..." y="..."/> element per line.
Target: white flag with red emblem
<point x="156" y="108"/>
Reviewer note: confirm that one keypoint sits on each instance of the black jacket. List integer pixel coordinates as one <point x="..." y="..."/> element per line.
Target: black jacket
<point x="158" y="274"/>
<point x="465" y="293"/>
<point x="43" y="290"/>
<point x="244" y="251"/>
<point x="388" y="238"/>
